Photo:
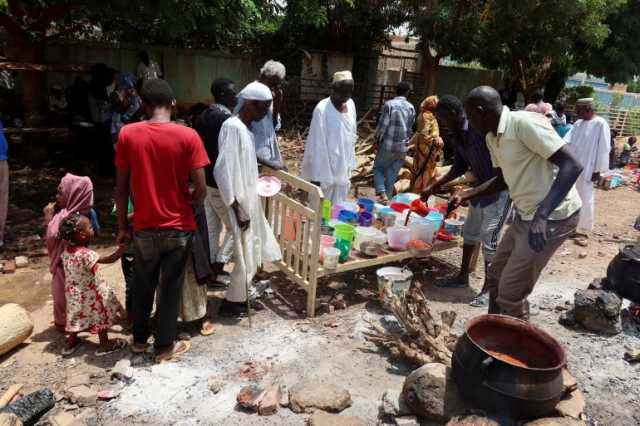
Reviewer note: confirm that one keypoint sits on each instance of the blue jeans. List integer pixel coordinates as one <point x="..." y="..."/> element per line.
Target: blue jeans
<point x="386" y="167"/>
<point x="160" y="261"/>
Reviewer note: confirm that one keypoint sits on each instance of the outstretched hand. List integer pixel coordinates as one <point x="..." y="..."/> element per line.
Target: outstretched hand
<point x="538" y="234"/>
<point x="123" y="238"/>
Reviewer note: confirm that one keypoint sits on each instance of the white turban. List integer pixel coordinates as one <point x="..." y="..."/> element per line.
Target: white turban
<point x="255" y="91"/>
<point x="342" y="76"/>
<point x="585" y="101"/>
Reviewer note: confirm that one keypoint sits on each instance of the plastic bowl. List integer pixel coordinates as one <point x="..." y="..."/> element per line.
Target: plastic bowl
<point x="366" y="204"/>
<point x="398" y="237"/>
<point x="366" y="219"/>
<point x="347" y="216"/>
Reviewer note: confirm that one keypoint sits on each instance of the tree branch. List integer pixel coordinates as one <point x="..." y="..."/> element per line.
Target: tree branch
<point x="51" y="14"/>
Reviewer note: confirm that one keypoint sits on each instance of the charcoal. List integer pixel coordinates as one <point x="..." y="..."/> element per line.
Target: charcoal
<point x="31" y="407"/>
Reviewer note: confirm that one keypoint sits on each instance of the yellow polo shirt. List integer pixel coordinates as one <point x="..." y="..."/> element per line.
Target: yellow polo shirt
<point x="524" y="142"/>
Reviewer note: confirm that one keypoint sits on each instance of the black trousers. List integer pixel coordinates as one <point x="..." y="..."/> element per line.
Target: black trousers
<point x="160" y="261"/>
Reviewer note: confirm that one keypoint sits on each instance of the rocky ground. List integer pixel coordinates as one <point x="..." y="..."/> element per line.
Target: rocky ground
<point x="285" y="348"/>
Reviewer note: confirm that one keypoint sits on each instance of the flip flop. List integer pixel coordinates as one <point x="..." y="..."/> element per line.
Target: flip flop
<point x="207" y="330"/>
<point x="117" y="345"/>
<point x="138" y="348"/>
<point x="71" y="350"/>
<point x="178" y="349"/>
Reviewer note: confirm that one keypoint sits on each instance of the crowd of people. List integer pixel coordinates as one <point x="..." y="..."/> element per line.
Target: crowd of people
<point x="187" y="203"/>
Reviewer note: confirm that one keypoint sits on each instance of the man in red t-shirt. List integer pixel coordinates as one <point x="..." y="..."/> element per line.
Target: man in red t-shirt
<point x="156" y="158"/>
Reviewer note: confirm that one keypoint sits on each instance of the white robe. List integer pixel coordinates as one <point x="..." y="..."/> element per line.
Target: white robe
<point x="236" y="173"/>
<point x="329" y="155"/>
<point x="590" y="142"/>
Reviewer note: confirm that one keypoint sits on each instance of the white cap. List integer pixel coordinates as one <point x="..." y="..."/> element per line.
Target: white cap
<point x="342" y="76"/>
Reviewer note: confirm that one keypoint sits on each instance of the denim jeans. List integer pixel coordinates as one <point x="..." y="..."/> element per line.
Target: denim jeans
<point x="386" y="167"/>
<point x="160" y="261"/>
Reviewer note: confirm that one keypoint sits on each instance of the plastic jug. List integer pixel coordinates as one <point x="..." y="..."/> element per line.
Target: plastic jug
<point x="422" y="230"/>
<point x="344" y="231"/>
<point x="331" y="256"/>
<point x="326" y="210"/>
<point x="399" y="237"/>
<point x="325" y="242"/>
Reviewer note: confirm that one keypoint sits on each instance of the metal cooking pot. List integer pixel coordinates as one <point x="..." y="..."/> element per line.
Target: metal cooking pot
<point x="507" y="366"/>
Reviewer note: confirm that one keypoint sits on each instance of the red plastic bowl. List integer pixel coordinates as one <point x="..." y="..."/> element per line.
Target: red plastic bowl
<point x="419" y="207"/>
<point x="400" y="207"/>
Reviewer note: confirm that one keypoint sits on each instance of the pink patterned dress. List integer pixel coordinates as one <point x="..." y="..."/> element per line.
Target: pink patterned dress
<point x="91" y="304"/>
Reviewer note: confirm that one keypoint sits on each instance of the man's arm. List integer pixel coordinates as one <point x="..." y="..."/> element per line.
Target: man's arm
<point x="122" y="204"/>
<point x="568" y="171"/>
<point x="458" y="168"/>
<point x="199" y="185"/>
<point x="496" y="184"/>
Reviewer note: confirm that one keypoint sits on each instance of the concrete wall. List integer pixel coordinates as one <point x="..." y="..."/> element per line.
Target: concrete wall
<point x="189" y="71"/>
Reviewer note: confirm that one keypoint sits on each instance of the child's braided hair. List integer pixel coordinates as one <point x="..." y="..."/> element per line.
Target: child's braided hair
<point x="69" y="226"/>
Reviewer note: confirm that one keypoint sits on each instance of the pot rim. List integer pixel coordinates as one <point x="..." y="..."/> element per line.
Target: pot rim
<point x="527" y="327"/>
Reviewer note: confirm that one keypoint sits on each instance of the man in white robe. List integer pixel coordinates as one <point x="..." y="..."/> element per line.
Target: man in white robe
<point x="329" y="155"/>
<point x="590" y="142"/>
<point x="236" y="173"/>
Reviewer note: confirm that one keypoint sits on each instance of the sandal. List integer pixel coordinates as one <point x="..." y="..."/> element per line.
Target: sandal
<point x="69" y="351"/>
<point x="207" y="329"/>
<point x="138" y="348"/>
<point x="178" y="349"/>
<point x="115" y="347"/>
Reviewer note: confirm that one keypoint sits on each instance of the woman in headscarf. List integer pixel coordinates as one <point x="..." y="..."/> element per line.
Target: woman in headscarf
<point x="75" y="195"/>
<point x="428" y="146"/>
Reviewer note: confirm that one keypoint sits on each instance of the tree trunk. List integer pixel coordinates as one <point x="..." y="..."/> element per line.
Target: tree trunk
<point x="430" y="68"/>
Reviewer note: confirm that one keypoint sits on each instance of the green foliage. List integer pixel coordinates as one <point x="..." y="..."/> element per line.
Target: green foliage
<point x="571" y="94"/>
<point x="633" y="86"/>
<point x="618" y="58"/>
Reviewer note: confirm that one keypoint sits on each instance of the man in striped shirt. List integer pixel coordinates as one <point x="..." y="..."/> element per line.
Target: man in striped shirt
<point x="395" y="127"/>
<point x="486" y="214"/>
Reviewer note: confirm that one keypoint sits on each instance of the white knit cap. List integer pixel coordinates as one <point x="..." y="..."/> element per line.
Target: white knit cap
<point x="256" y="91"/>
<point x="584" y="101"/>
<point x="342" y="76"/>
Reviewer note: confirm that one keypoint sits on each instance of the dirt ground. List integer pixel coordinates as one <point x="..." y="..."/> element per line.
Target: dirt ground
<point x="283" y="346"/>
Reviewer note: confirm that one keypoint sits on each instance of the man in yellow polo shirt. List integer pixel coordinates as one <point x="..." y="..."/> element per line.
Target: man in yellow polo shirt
<point x="540" y="172"/>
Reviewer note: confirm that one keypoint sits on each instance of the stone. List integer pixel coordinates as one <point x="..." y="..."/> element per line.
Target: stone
<point x="407" y="421"/>
<point x="339" y="302"/>
<point x="556" y="421"/>
<point x="337" y="285"/>
<point x="392" y="404"/>
<point x="215" y="383"/>
<point x="82" y="395"/>
<point x="320" y="418"/>
<point x="310" y="394"/>
<point x="63" y="419"/>
<point x="284" y="396"/>
<point x="568" y="381"/>
<point x="21" y="261"/>
<point x="122" y="370"/>
<point x="430" y="392"/>
<point x="9" y="267"/>
<point x="572" y="405"/>
<point x="568" y="319"/>
<point x="582" y="255"/>
<point x="9" y="419"/>
<point x="77" y="379"/>
<point x="249" y="397"/>
<point x="269" y="403"/>
<point x="598" y="311"/>
<point x="472" y="421"/>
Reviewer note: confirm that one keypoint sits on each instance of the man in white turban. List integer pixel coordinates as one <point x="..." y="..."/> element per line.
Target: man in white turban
<point x="590" y="142"/>
<point x="236" y="173"/>
<point x="329" y="155"/>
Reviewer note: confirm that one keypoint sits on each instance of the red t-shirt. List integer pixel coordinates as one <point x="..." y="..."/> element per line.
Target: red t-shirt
<point x="160" y="157"/>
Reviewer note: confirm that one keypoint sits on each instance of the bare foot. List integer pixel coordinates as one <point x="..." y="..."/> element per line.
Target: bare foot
<point x="207" y="328"/>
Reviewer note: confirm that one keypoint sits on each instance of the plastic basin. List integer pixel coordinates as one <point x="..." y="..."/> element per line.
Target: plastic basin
<point x="398" y="237"/>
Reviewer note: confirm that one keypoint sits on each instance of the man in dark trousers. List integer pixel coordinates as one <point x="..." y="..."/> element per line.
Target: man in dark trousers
<point x="155" y="159"/>
<point x="487" y="214"/>
<point x="538" y="169"/>
<point x="208" y="127"/>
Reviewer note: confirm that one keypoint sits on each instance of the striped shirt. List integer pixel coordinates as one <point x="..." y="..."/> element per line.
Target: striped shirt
<point x="471" y="153"/>
<point x="396" y="125"/>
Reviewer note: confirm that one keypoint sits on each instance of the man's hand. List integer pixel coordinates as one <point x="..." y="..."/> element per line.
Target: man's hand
<point x="242" y="217"/>
<point x="538" y="234"/>
<point x="595" y="177"/>
<point x="455" y="200"/>
<point x="426" y="193"/>
<point x="123" y="238"/>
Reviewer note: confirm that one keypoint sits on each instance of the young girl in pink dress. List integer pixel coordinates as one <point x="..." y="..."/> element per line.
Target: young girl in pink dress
<point x="91" y="304"/>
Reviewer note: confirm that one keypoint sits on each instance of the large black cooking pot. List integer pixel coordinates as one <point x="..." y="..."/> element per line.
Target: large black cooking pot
<point x="623" y="273"/>
<point x="508" y="367"/>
